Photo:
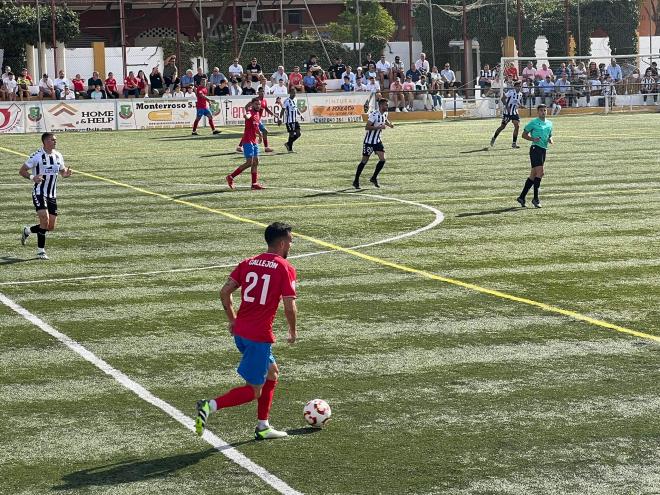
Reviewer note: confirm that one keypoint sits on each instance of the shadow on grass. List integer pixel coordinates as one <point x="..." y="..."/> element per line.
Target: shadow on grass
<point x="480" y="150"/>
<point x="131" y="471"/>
<point x="10" y="260"/>
<point x="202" y="193"/>
<point x="488" y="212"/>
<point x="329" y="193"/>
<point x="308" y="430"/>
<point x="190" y="137"/>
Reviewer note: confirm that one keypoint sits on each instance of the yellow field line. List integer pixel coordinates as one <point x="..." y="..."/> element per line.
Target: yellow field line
<point x="423" y="273"/>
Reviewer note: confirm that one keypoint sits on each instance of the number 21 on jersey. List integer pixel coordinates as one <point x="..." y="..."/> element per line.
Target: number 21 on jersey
<point x="252" y="279"/>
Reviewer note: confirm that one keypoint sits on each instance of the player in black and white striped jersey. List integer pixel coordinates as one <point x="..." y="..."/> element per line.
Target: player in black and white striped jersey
<point x="511" y="99"/>
<point x="291" y="116"/>
<point x="376" y="122"/>
<point x="42" y="168"/>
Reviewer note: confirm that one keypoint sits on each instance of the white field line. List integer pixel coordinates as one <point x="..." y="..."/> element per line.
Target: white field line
<point x="439" y="217"/>
<point x="219" y="444"/>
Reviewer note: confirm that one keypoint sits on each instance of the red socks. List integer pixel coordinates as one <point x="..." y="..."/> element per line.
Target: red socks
<point x="195" y="125"/>
<point x="211" y="124"/>
<point x="266" y="399"/>
<point x="255" y="178"/>
<point x="236" y="397"/>
<point x="265" y="140"/>
<point x="236" y="172"/>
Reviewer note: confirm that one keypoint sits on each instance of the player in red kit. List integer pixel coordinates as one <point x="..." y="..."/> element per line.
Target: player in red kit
<point x="263" y="280"/>
<point x="203" y="107"/>
<point x="250" y="140"/>
<point x="263" y="108"/>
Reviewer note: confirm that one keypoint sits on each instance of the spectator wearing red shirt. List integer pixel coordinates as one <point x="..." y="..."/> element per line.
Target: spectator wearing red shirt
<point x="78" y="85"/>
<point x="110" y="86"/>
<point x="131" y="87"/>
<point x="511" y="71"/>
<point x="296" y="79"/>
<point x="264" y="280"/>
<point x="321" y="79"/>
<point x="143" y="83"/>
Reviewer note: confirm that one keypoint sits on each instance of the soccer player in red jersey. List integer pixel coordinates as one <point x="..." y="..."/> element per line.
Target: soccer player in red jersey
<point x="202" y="106"/>
<point x="264" y="280"/>
<point x="250" y="140"/>
<point x="263" y="108"/>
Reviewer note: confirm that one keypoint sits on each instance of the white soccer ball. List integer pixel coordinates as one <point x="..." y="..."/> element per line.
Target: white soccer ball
<point x="317" y="413"/>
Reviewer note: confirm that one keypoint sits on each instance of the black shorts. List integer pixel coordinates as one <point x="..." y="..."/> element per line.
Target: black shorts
<point x="506" y="118"/>
<point x="41" y="202"/>
<point x="368" y="149"/>
<point x="537" y="156"/>
<point x="293" y="127"/>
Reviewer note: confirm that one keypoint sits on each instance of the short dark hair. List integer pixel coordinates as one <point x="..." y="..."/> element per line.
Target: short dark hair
<point x="542" y="105"/>
<point x="275" y="231"/>
<point x="45" y="136"/>
<point x="383" y="100"/>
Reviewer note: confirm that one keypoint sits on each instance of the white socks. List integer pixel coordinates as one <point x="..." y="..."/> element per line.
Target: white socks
<point x="263" y="424"/>
<point x="213" y="405"/>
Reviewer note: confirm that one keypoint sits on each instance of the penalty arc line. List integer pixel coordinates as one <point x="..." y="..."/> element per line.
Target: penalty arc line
<point x="220" y="445"/>
<point x="423" y="273"/>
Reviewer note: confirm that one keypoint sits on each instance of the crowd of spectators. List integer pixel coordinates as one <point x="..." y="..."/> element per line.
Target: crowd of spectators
<point x="565" y="85"/>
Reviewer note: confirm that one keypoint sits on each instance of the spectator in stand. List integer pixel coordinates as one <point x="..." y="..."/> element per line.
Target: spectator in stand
<point x="347" y="85"/>
<point x="78" y="86"/>
<point x="654" y="69"/>
<point x="337" y="69"/>
<point x="143" y="84"/>
<point x="60" y="83"/>
<point x="399" y="99"/>
<point x="486" y="77"/>
<point x="67" y="94"/>
<point x="435" y="90"/>
<point x="111" y="86"/>
<point x="367" y="63"/>
<point x="433" y="75"/>
<point x="27" y="76"/>
<point x="649" y="86"/>
<point x="312" y="63"/>
<point x="3" y="80"/>
<point x="371" y="72"/>
<point x="422" y="65"/>
<point x="527" y="90"/>
<point x="92" y="82"/>
<point x="98" y="93"/>
<point x="373" y="85"/>
<point x="235" y="89"/>
<point x="156" y="82"/>
<point x="263" y="83"/>
<point x="632" y="82"/>
<point x="359" y="75"/>
<point x="422" y="89"/>
<point x="383" y="71"/>
<point x="23" y="85"/>
<point x="511" y="71"/>
<point x="296" y="80"/>
<point x="9" y="86"/>
<point x="235" y="71"/>
<point x="246" y="87"/>
<point x="170" y="72"/>
<point x="602" y="70"/>
<point x="398" y="69"/>
<point x="563" y="69"/>
<point x="46" y="87"/>
<point x="350" y="74"/>
<point x="594" y="83"/>
<point x="321" y="79"/>
<point x="279" y="74"/>
<point x="177" y="93"/>
<point x="408" y="92"/>
<point x="280" y="89"/>
<point x="529" y="72"/>
<point x="309" y="82"/>
<point x="547" y="90"/>
<point x="614" y="71"/>
<point x="131" y="88"/>
<point x="359" y="86"/>
<point x="544" y="72"/>
<point x="414" y="74"/>
<point x="197" y="78"/>
<point x="563" y="88"/>
<point x="448" y="79"/>
<point x="253" y="70"/>
<point x="190" y="94"/>
<point x="215" y="81"/>
<point x="167" y="94"/>
<point x="222" y="89"/>
<point x="187" y="80"/>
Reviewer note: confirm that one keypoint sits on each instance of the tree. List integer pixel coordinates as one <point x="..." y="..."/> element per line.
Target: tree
<point x="376" y="25"/>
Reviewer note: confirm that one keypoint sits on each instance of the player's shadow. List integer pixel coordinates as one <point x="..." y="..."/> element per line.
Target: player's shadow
<point x="480" y="150"/>
<point x="228" y="153"/>
<point x="308" y="430"/>
<point x="10" y="260"/>
<point x="131" y="471"/>
<point x="488" y="212"/>
<point x="190" y="137"/>
<point x="201" y="193"/>
<point x="329" y="193"/>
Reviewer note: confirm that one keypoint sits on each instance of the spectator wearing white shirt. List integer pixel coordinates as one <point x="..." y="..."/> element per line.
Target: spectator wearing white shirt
<point x="9" y="86"/>
<point x="448" y="78"/>
<point x="190" y="94"/>
<point x="177" y="93"/>
<point x="46" y="87"/>
<point x="235" y="70"/>
<point x="348" y="73"/>
<point x="373" y="85"/>
<point x="167" y="93"/>
<point x="279" y="74"/>
<point x="359" y="86"/>
<point x="422" y="64"/>
<point x="423" y="91"/>
<point x="235" y="89"/>
<point x="280" y="89"/>
<point x="60" y="83"/>
<point x="67" y="94"/>
<point x="398" y="69"/>
<point x="383" y="68"/>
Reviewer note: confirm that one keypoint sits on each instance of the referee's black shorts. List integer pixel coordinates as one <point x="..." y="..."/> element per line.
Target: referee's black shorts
<point x="536" y="156"/>
<point x="293" y="126"/>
